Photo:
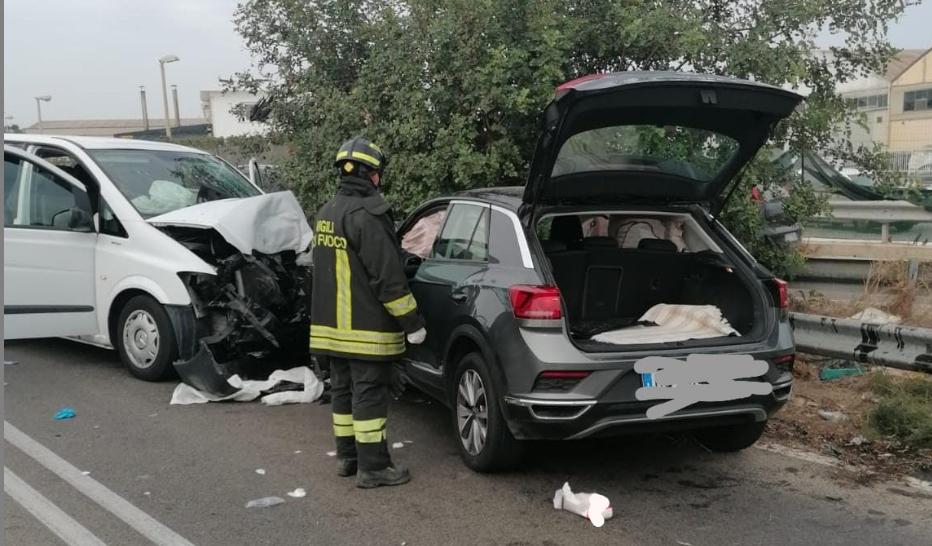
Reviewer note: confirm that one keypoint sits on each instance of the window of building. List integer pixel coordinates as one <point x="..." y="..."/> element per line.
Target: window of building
<point x="915" y="101"/>
<point x="869" y="102"/>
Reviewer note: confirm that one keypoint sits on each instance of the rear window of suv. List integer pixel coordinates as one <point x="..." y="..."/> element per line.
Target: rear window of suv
<point x="696" y="154"/>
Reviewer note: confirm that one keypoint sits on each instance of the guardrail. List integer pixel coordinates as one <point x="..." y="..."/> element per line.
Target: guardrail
<point x="891" y="345"/>
<point x="882" y="212"/>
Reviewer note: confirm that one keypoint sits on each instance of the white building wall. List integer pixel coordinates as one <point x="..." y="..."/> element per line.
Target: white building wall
<point x="224" y="123"/>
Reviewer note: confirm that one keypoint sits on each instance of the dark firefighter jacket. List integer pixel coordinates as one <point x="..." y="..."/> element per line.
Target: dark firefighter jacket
<point x="361" y="306"/>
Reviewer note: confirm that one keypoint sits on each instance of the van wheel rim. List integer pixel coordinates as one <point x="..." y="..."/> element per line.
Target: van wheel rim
<point x="472" y="412"/>
<point x="141" y="339"/>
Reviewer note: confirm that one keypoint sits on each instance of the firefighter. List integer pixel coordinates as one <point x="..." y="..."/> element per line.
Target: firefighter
<point x="361" y="312"/>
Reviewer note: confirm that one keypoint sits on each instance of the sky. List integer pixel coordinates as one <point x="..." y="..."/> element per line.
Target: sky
<point x="91" y="56"/>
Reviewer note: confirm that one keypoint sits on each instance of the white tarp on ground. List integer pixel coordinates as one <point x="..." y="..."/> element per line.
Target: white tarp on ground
<point x="673" y="323"/>
<point x="249" y="390"/>
<point x="269" y="223"/>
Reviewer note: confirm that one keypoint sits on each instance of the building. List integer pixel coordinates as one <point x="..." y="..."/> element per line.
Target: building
<point x="897" y="104"/>
<point x="222" y="110"/>
<point x="105" y="127"/>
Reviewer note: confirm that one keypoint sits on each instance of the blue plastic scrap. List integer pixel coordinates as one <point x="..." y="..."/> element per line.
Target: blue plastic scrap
<point x="65" y="413"/>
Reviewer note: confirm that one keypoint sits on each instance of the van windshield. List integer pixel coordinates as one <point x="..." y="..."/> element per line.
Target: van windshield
<point x="685" y="152"/>
<point x="157" y="182"/>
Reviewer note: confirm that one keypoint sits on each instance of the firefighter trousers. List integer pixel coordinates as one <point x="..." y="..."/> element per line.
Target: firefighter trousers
<point x="359" y="391"/>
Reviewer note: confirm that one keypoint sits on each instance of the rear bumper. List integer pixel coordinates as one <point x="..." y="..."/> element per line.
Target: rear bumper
<point x="532" y="418"/>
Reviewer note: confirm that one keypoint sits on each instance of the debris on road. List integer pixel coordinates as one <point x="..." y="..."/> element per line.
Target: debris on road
<point x="593" y="506"/>
<point x="873" y="315"/>
<point x="265" y="502"/>
<point x="86" y="472"/>
<point x="10" y="363"/>
<point x="297" y="451"/>
<point x="260" y="471"/>
<point x="65" y="413"/>
<point x="833" y="416"/>
<point x="297" y="493"/>
<point x="331" y="453"/>
<point x="832" y="373"/>
<point x="249" y="390"/>
<point x="398" y="445"/>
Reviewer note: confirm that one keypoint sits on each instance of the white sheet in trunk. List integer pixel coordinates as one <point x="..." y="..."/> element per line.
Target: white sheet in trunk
<point x="673" y="323"/>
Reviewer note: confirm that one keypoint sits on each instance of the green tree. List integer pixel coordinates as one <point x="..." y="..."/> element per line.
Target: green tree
<point x="453" y="88"/>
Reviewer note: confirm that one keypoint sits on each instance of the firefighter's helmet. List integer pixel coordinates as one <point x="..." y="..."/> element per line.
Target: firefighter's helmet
<point x="359" y="152"/>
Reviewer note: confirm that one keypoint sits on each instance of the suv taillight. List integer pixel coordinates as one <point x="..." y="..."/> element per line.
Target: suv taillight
<point x="536" y="302"/>
<point x="779" y="289"/>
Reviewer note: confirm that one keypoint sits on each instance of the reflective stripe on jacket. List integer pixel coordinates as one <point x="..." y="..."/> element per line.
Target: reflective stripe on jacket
<point x="361" y="305"/>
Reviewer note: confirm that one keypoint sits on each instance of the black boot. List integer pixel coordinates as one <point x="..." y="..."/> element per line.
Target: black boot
<point x="346" y="467"/>
<point x="393" y="475"/>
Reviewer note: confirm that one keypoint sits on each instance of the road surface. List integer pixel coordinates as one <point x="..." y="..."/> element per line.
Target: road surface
<point x="186" y="473"/>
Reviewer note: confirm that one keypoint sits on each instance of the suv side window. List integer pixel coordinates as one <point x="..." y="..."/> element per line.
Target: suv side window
<point x="504" y="248"/>
<point x="465" y="234"/>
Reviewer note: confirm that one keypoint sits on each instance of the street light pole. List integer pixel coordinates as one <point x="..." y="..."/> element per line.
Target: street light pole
<point x="39" y="100"/>
<point x="162" y="62"/>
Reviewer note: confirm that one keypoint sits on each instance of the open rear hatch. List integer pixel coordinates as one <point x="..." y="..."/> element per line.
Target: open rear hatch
<point x="651" y="137"/>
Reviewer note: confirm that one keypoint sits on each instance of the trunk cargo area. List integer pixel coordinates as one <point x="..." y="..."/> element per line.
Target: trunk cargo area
<point x="609" y="283"/>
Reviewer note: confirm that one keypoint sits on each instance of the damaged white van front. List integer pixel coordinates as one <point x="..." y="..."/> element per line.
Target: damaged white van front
<point x="162" y="252"/>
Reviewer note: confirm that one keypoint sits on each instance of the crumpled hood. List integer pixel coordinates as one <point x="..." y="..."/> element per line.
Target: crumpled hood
<point x="269" y="223"/>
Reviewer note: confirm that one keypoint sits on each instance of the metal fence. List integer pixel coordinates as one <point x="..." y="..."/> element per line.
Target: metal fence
<point x="890" y="345"/>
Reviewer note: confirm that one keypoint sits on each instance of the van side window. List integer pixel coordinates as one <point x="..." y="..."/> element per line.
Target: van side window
<point x="109" y="223"/>
<point x="38" y="198"/>
<point x="465" y="234"/>
<point x="12" y="169"/>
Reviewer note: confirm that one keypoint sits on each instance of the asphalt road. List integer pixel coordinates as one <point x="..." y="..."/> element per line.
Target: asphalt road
<point x="190" y="470"/>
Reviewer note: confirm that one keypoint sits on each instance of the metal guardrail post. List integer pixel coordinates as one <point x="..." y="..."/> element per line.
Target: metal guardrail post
<point x="891" y="345"/>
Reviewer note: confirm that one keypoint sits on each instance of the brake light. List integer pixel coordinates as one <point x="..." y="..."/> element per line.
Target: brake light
<point x="780" y="291"/>
<point x="536" y="302"/>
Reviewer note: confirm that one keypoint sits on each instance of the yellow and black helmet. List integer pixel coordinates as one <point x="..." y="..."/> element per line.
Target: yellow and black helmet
<point x="357" y="152"/>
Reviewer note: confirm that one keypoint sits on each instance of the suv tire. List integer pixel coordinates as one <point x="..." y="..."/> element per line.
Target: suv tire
<point x="732" y="438"/>
<point x="484" y="441"/>
<point x="145" y="339"/>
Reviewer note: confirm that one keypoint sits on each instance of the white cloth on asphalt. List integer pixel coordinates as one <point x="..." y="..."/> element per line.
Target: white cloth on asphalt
<point x="673" y="323"/>
<point x="249" y="390"/>
<point x="592" y="506"/>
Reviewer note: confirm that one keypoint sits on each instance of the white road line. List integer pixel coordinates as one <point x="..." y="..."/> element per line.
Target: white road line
<point x="145" y="524"/>
<point x="64" y="526"/>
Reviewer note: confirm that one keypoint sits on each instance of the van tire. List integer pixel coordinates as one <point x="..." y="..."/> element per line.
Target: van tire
<point x="732" y="438"/>
<point x="145" y="339"/>
<point x="500" y="450"/>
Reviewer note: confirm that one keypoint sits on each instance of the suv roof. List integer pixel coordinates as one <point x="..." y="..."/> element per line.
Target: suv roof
<point x="100" y="143"/>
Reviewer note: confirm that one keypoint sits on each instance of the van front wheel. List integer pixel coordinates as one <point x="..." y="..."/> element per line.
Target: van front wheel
<point x="145" y="339"/>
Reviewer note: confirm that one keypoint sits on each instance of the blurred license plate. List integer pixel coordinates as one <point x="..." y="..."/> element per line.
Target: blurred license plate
<point x="647" y="380"/>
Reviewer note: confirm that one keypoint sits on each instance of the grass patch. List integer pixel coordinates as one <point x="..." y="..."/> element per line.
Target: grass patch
<point x="904" y="410"/>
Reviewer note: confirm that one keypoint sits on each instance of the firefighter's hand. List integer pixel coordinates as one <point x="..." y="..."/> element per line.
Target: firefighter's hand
<point x="416" y="338"/>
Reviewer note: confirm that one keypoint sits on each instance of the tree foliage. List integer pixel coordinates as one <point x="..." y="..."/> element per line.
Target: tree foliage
<point x="453" y="88"/>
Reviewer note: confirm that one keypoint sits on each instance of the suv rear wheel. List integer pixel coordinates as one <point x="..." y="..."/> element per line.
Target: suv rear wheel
<point x="145" y="339"/>
<point x="733" y="438"/>
<point x="485" y="442"/>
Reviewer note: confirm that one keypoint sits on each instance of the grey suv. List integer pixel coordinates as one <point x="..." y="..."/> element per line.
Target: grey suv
<point x="541" y="300"/>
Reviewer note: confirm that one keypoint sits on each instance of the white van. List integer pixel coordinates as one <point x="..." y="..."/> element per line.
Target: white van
<point x="165" y="253"/>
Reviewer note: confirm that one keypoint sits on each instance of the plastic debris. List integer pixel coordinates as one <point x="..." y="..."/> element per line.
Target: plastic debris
<point x="153" y="415"/>
<point x="265" y="502"/>
<point x="260" y="471"/>
<point x="147" y="493"/>
<point x="297" y="493"/>
<point x="398" y="445"/>
<point x="10" y="363"/>
<point x="592" y="506"/>
<point x="829" y="374"/>
<point x="331" y="453"/>
<point x="297" y="451"/>
<point x="833" y="416"/>
<point x="86" y="472"/>
<point x="409" y="441"/>
<point x="65" y="413"/>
